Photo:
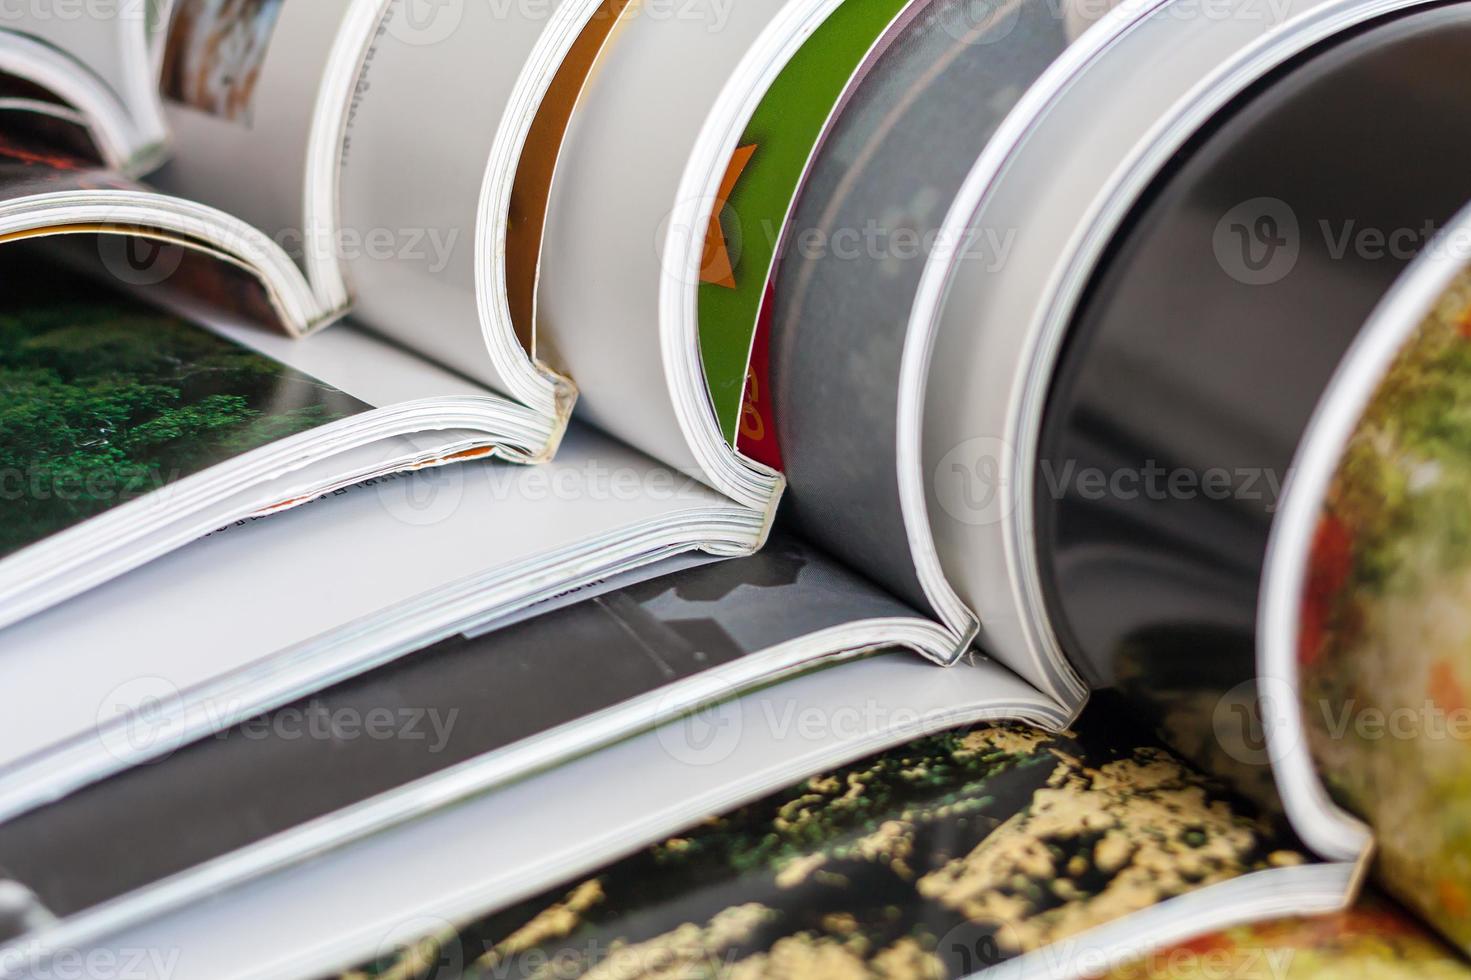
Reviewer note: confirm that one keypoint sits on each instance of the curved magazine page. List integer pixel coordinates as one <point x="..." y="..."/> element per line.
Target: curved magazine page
<point x="157" y="251"/>
<point x="518" y="177"/>
<point x="433" y="103"/>
<point x="100" y="43"/>
<point x="751" y="207"/>
<point x="47" y="192"/>
<point x="568" y="821"/>
<point x="239" y="82"/>
<point x="862" y="226"/>
<point x="1156" y="590"/>
<point x="531" y="187"/>
<point x="1362" y="649"/>
<point x="466" y="706"/>
<point x="1024" y="232"/>
<point x="34" y="72"/>
<point x="265" y="611"/>
<point x="38" y="121"/>
<point x="667" y="98"/>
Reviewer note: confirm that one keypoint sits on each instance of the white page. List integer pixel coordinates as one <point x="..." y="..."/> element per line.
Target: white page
<point x="352" y="359"/>
<point x="109" y="39"/>
<point x="93" y="40"/>
<point x="627" y="147"/>
<point x="253" y="165"/>
<point x="506" y="845"/>
<point x="236" y="597"/>
<point x="427" y="109"/>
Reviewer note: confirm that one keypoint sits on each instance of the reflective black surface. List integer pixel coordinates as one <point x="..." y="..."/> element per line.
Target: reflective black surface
<point x="1207" y="335"/>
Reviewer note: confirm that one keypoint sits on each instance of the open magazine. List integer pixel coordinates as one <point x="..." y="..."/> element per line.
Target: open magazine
<point x="286" y="120"/>
<point x="916" y="397"/>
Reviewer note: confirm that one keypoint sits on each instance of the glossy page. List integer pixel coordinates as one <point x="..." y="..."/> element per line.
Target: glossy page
<point x="861" y="231"/>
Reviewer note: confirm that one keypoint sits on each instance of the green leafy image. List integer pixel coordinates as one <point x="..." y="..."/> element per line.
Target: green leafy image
<point x="104" y="399"/>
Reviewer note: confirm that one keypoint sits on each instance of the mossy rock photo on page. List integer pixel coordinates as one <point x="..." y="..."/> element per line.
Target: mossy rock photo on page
<point x="935" y="859"/>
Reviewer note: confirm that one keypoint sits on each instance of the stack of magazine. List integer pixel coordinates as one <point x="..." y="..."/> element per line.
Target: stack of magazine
<point x="734" y="488"/>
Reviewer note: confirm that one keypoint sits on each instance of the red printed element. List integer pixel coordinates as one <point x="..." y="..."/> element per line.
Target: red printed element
<point x="756" y="435"/>
<point x="1328" y="569"/>
<point x="13" y="151"/>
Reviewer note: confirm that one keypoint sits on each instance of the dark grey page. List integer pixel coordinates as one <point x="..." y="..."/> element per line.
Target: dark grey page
<point x="441" y="706"/>
<point x="862" y="228"/>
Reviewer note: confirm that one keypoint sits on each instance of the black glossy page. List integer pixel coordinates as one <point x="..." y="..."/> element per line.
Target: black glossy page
<point x="863" y="226"/>
<point x="1209" y="334"/>
<point x="450" y="702"/>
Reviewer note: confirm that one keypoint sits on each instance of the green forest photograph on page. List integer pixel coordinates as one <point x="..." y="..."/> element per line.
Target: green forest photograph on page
<point x="106" y="399"/>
